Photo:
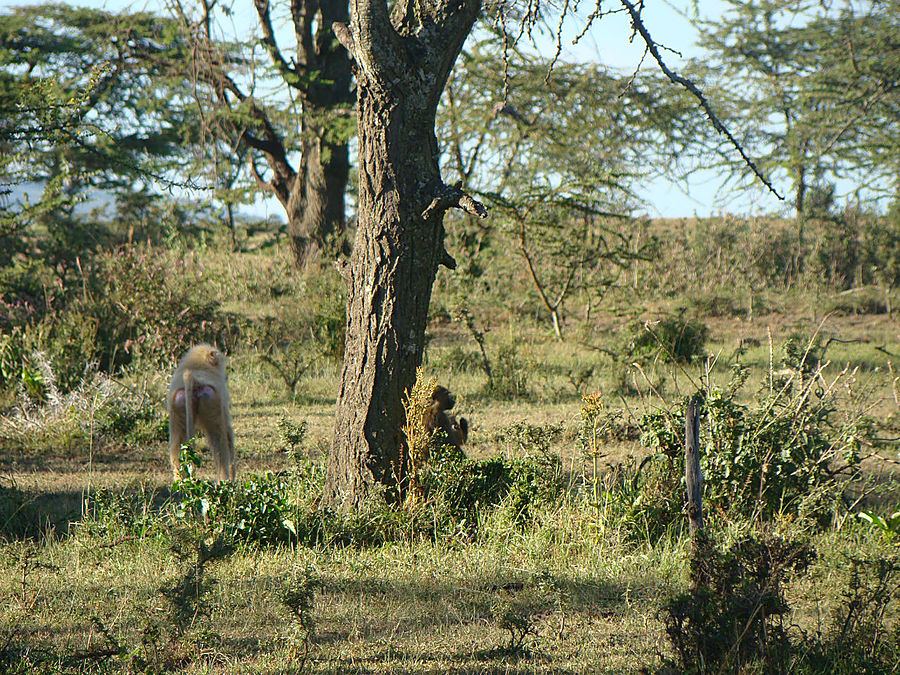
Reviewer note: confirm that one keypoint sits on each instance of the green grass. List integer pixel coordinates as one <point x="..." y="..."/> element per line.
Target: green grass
<point x="572" y="591"/>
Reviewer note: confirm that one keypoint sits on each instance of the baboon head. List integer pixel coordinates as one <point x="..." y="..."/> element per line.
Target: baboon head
<point x="442" y="398"/>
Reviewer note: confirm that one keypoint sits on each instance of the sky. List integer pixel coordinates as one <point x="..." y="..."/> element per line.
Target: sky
<point x="607" y="42"/>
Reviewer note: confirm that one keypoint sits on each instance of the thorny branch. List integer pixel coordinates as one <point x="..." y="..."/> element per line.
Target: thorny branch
<point x="638" y="25"/>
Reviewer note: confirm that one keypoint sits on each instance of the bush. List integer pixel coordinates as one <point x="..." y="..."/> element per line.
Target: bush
<point x="732" y="618"/>
<point x="256" y="509"/>
<point x="97" y="412"/>
<point x="672" y="339"/>
<point x="784" y="453"/>
<point x="300" y="337"/>
<point x="458" y="489"/>
<point x="730" y="621"/>
<point x="134" y="305"/>
<point x="510" y="372"/>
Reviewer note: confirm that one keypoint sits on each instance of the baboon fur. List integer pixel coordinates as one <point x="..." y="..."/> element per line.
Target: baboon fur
<point x="198" y="397"/>
<point x="437" y="419"/>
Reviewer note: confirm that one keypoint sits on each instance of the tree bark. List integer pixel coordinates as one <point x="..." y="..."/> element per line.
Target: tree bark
<point x="313" y="199"/>
<point x="403" y="62"/>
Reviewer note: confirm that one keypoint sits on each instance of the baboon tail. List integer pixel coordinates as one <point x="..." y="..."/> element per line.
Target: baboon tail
<point x="188" y="405"/>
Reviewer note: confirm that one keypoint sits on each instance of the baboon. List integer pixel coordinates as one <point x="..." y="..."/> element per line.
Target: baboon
<point x="198" y="393"/>
<point x="437" y="419"/>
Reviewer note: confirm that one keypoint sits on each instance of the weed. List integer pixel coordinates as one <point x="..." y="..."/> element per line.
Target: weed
<point x="858" y="639"/>
<point x="297" y="340"/>
<point x="514" y="617"/>
<point x="889" y="526"/>
<point x="121" y="512"/>
<point x="418" y="445"/>
<point x="464" y="316"/>
<point x="298" y="595"/>
<point x="291" y="436"/>
<point x="785" y="453"/>
<point x="525" y="438"/>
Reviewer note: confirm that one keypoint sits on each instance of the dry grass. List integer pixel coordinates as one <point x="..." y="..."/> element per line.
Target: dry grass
<point x="587" y="600"/>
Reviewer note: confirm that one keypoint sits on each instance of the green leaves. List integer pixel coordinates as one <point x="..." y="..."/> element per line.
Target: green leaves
<point x="811" y="90"/>
<point x="889" y="525"/>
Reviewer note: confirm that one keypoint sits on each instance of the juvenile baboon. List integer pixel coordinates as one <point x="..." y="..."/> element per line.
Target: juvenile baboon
<point x="198" y="393"/>
<point x="437" y="419"/>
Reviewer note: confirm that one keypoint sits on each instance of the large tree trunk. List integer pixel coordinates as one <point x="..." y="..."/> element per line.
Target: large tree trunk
<point x="400" y="235"/>
<point x="316" y="207"/>
<point x="314" y="203"/>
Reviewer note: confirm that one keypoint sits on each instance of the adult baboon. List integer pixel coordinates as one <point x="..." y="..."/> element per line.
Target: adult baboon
<point x="198" y="393"/>
<point x="437" y="419"/>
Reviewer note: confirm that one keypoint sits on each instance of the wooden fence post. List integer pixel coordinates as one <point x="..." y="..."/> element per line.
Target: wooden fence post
<point x="692" y="476"/>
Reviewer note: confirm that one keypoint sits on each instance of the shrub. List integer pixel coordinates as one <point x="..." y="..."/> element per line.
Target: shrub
<point x="458" y="489"/>
<point x="730" y="621"/>
<point x="256" y="509"/>
<point x="98" y="410"/>
<point x="785" y="453"/>
<point x="134" y="305"/>
<point x="644" y="499"/>
<point x="673" y="339"/>
<point x="298" y="338"/>
<point x="509" y="372"/>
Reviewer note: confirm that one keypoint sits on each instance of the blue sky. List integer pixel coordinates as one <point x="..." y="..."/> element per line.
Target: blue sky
<point x="608" y="43"/>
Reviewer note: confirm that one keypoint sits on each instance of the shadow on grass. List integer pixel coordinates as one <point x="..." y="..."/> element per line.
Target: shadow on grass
<point x="37" y="514"/>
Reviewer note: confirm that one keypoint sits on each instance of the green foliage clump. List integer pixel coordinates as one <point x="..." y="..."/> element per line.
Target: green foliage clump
<point x="99" y="413"/>
<point x="301" y="336"/>
<point x="730" y="619"/>
<point x="673" y="339"/>
<point x="524" y="438"/>
<point x="256" y="509"/>
<point x="459" y="489"/>
<point x="116" y="511"/>
<point x="644" y="499"/>
<point x="889" y="526"/>
<point x="785" y="453"/>
<point x="131" y="421"/>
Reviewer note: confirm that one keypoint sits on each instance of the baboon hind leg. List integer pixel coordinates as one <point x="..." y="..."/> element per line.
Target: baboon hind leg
<point x="177" y="438"/>
<point x="213" y="421"/>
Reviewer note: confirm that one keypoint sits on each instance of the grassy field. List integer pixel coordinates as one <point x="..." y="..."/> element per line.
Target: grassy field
<point x="101" y="572"/>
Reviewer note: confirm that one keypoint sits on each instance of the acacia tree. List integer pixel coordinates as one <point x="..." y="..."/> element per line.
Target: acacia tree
<point x="311" y="186"/>
<point x="555" y="148"/>
<point x="86" y="107"/>
<point x="403" y="58"/>
<point x="812" y="88"/>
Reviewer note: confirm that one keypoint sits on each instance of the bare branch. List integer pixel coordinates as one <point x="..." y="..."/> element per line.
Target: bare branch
<point x="452" y="196"/>
<point x="289" y="74"/>
<point x="345" y="37"/>
<point x="638" y="25"/>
